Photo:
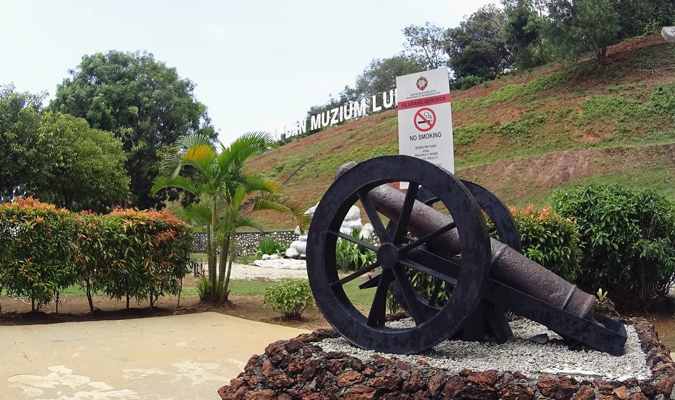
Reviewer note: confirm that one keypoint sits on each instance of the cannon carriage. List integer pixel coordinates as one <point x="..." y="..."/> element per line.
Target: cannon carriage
<point x="435" y="229"/>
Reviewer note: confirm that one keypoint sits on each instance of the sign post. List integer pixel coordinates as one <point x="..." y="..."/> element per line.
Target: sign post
<point x="425" y="117"/>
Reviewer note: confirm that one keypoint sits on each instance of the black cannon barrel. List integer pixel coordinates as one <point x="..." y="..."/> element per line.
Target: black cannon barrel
<point x="508" y="266"/>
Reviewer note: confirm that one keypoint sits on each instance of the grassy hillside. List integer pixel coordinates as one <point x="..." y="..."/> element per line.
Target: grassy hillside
<point x="525" y="134"/>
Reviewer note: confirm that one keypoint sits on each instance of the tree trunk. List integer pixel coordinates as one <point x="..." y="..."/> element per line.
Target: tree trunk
<point x="214" y="247"/>
<point x="57" y="301"/>
<point x="180" y="290"/>
<point x="602" y="56"/>
<point x="222" y="263"/>
<point x="91" y="303"/>
<point x="127" y="284"/>
<point x="32" y="303"/>
<point x="226" y="288"/>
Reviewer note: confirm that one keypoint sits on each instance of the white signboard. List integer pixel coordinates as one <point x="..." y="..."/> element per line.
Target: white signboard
<point x="424" y="117"/>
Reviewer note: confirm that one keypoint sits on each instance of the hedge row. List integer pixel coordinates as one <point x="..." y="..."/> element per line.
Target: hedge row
<point x="124" y="254"/>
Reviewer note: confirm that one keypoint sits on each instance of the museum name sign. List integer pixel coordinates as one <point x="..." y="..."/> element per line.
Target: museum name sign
<point x="345" y="112"/>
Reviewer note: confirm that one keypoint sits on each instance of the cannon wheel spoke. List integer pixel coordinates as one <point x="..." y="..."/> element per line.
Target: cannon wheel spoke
<point x="378" y="309"/>
<point x="356" y="274"/>
<point x="412" y="303"/>
<point x="373" y="216"/>
<point x="433" y="270"/>
<point x="404" y="218"/>
<point x="429" y="237"/>
<point x="354" y="240"/>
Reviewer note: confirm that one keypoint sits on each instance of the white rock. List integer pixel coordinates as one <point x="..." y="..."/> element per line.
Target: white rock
<point x="266" y="257"/>
<point x="518" y="354"/>
<point x="291" y="252"/>
<point x="354" y="214"/>
<point x="668" y="33"/>
<point x="300" y="246"/>
<point x="367" y="231"/>
<point x="274" y="257"/>
<point x="297" y="230"/>
<point x="302" y="238"/>
<point x="310" y="211"/>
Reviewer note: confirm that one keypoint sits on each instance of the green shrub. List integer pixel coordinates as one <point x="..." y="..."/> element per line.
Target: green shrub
<point x="36" y="242"/>
<point x="289" y="297"/>
<point x="628" y="241"/>
<point x="270" y="246"/>
<point x="204" y="288"/>
<point x="127" y="253"/>
<point x="549" y="239"/>
<point x="349" y="256"/>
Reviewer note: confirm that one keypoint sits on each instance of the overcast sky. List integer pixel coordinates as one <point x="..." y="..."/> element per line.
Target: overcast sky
<point x="257" y="65"/>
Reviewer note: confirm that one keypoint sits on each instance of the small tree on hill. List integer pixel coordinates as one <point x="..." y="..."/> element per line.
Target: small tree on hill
<point x="425" y="43"/>
<point x="577" y="27"/>
<point x="477" y="46"/>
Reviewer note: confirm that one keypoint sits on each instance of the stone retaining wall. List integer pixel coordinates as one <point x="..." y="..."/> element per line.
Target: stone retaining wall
<point x="246" y="243"/>
<point x="297" y="369"/>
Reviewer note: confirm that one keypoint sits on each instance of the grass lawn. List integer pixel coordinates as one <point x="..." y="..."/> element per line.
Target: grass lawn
<point x="242" y="287"/>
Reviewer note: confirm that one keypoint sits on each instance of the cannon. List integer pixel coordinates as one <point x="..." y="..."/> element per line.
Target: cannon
<point x="435" y="229"/>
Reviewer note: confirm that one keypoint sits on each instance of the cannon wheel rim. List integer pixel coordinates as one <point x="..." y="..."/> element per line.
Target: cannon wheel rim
<point x="475" y="257"/>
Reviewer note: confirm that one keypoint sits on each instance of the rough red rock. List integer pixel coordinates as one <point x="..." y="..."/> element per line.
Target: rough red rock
<point x="298" y="369"/>
<point x="349" y="378"/>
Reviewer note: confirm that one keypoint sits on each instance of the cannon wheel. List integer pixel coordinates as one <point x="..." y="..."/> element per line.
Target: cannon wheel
<point x="498" y="213"/>
<point x="488" y="319"/>
<point x="471" y="265"/>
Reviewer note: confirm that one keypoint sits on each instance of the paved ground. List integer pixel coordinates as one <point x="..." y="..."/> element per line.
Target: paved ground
<point x="180" y="357"/>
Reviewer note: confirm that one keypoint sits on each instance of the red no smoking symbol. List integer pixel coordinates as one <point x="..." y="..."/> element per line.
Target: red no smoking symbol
<point x="424" y="119"/>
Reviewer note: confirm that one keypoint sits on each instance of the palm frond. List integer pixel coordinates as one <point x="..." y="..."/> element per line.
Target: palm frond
<point x="256" y="183"/>
<point x="177" y="182"/>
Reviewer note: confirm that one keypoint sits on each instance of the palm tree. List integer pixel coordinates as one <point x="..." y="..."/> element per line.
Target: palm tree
<point x="226" y="195"/>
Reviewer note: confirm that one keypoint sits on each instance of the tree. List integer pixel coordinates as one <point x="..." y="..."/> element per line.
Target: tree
<point x="577" y="27"/>
<point x="477" y="46"/>
<point x="86" y="167"/>
<point x="141" y="101"/>
<point x="21" y="155"/>
<point x="425" y="43"/>
<point x="524" y="33"/>
<point x="637" y="17"/>
<point x="226" y="196"/>
<point x="380" y="75"/>
<point x="57" y="158"/>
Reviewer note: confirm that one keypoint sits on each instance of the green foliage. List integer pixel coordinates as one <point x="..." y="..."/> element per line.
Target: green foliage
<point x="467" y="82"/>
<point x="349" y="256"/>
<point x="36" y="251"/>
<point x="204" y="289"/>
<point x="524" y="31"/>
<point x="217" y="177"/>
<point x="86" y="168"/>
<point x="466" y="135"/>
<point x="141" y="101"/>
<point x="380" y="76"/>
<point x="425" y="44"/>
<point x="270" y="246"/>
<point x="549" y="239"/>
<point x="524" y="126"/>
<point x="663" y="99"/>
<point x="127" y="253"/>
<point x="289" y="297"/>
<point x="21" y="158"/>
<point x="576" y="27"/>
<point x="58" y="158"/>
<point x="643" y="16"/>
<point x="628" y="239"/>
<point x="477" y="46"/>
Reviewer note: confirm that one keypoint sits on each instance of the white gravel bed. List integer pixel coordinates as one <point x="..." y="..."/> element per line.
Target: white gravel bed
<point x="242" y="271"/>
<point x="520" y="354"/>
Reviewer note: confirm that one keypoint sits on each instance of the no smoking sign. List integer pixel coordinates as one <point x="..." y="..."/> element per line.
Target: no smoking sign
<point x="424" y="119"/>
